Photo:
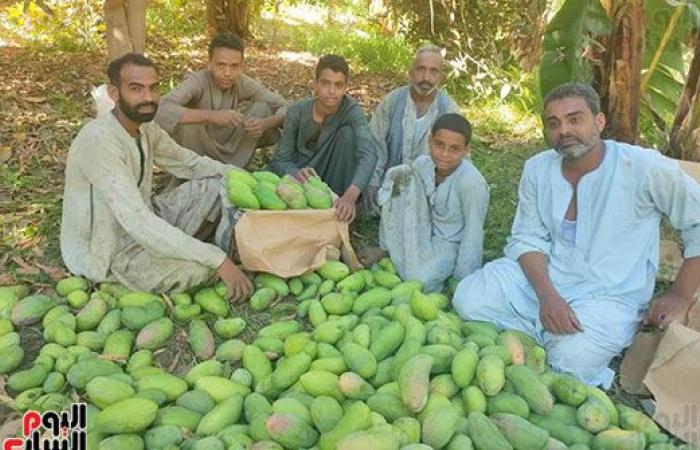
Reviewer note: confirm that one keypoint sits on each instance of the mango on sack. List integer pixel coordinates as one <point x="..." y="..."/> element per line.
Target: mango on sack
<point x="485" y="434"/>
<point x="70" y="284"/>
<point x="229" y="328"/>
<point x="325" y="413"/>
<point x="568" y="434"/>
<point x="211" y="302"/>
<point x="82" y="372"/>
<point x="414" y="381"/>
<point x="220" y="388"/>
<point x="28" y="378"/>
<point x="209" y="368"/>
<point x="262" y="298"/>
<point x="91" y="315"/>
<point x="201" y="339"/>
<point x="444" y="385"/>
<point x="360" y="360"/>
<point x="354" y="282"/>
<point x="256" y="362"/>
<point x="226" y="413"/>
<point x="631" y="419"/>
<point x="321" y="382"/>
<point x="375" y="439"/>
<point x="377" y="297"/>
<point x="386" y="279"/>
<point x="569" y="390"/>
<point x="30" y="310"/>
<point x="521" y="434"/>
<point x="337" y="303"/>
<point x="172" y="385"/>
<point x="105" y="391"/>
<point x="422" y="307"/>
<point x="91" y="339"/>
<point x="242" y="176"/>
<point x="333" y="270"/>
<point x="268" y="198"/>
<point x="509" y="403"/>
<point x="464" y="367"/>
<point x="290" y="431"/>
<point x="292" y="194"/>
<point x="357" y="417"/>
<point x="178" y="416"/>
<point x="155" y="334"/>
<point x="231" y="351"/>
<point x="12" y="356"/>
<point x="439" y="426"/>
<point x="77" y="299"/>
<point x="442" y="357"/>
<point x="593" y="416"/>
<point x="196" y="400"/>
<point x="388" y="340"/>
<point x="605" y="399"/>
<point x="515" y="347"/>
<point x="272" y="281"/>
<point x="355" y="387"/>
<point x="473" y="400"/>
<point x="616" y="439"/>
<point x="185" y="313"/>
<point x="241" y="195"/>
<point x="531" y="388"/>
<point x="267" y="176"/>
<point x="162" y="436"/>
<point x="122" y="441"/>
<point x="127" y="416"/>
<point x="290" y="369"/>
<point x="490" y="375"/>
<point x="317" y="198"/>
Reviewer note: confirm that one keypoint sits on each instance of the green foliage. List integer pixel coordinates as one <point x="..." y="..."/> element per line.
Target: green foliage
<point x="73" y="26"/>
<point x="566" y="38"/>
<point x="364" y="49"/>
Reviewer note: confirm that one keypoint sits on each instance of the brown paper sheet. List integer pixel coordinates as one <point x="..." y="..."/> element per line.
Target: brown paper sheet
<point x="289" y="243"/>
<point x="674" y="380"/>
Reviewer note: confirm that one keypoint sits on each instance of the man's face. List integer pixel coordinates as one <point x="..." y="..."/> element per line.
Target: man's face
<point x="426" y="73"/>
<point x="447" y="149"/>
<point x="571" y="128"/>
<point x="137" y="94"/>
<point x="225" y="66"/>
<point x="330" y="87"/>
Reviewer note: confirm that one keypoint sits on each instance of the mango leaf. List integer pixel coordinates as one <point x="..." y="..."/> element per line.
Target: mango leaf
<point x="566" y="38"/>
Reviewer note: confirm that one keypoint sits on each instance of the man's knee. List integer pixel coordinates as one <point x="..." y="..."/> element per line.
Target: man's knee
<point x="258" y="110"/>
<point x="581" y="356"/>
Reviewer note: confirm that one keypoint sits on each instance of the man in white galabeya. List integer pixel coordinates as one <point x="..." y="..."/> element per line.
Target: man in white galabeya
<point x="580" y="264"/>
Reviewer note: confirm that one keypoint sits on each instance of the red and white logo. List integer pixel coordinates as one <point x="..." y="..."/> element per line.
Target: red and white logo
<point x="52" y="430"/>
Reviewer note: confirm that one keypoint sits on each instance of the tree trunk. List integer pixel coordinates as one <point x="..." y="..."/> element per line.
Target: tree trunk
<point x="229" y="16"/>
<point x="681" y="142"/>
<point x="619" y="79"/>
<point x="528" y="35"/>
<point x="125" y="22"/>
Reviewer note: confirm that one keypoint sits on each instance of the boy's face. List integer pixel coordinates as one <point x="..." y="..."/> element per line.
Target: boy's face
<point x="225" y="66"/>
<point x="448" y="149"/>
<point x="330" y="87"/>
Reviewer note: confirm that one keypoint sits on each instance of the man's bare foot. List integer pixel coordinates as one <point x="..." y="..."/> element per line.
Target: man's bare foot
<point x="370" y="255"/>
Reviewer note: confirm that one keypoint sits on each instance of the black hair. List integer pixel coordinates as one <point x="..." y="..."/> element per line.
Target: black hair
<point x="335" y="63"/>
<point x="115" y="67"/>
<point x="454" y="122"/>
<point x="226" y="40"/>
<point x="579" y="90"/>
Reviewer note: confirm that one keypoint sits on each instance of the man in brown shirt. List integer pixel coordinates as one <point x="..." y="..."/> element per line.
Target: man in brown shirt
<point x="219" y="111"/>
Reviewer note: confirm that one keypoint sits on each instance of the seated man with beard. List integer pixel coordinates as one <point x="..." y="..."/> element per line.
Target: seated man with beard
<point x="112" y="230"/>
<point x="582" y="257"/>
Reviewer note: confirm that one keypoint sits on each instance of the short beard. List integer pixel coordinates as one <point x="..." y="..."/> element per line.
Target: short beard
<point x="576" y="151"/>
<point x="423" y="93"/>
<point x="133" y="114"/>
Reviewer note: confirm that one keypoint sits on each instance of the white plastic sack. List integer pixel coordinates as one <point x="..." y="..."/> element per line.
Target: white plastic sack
<point x="103" y="102"/>
<point x="405" y="230"/>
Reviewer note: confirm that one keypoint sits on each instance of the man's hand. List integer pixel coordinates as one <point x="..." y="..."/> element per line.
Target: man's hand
<point x="304" y="174"/>
<point x="345" y="205"/>
<point x="226" y="118"/>
<point x="667" y="308"/>
<point x="238" y="284"/>
<point x="557" y="316"/>
<point x="254" y="127"/>
<point x="369" y="199"/>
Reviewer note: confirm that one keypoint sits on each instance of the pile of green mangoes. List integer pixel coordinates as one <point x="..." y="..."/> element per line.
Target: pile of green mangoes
<point x="266" y="190"/>
<point x="368" y="362"/>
